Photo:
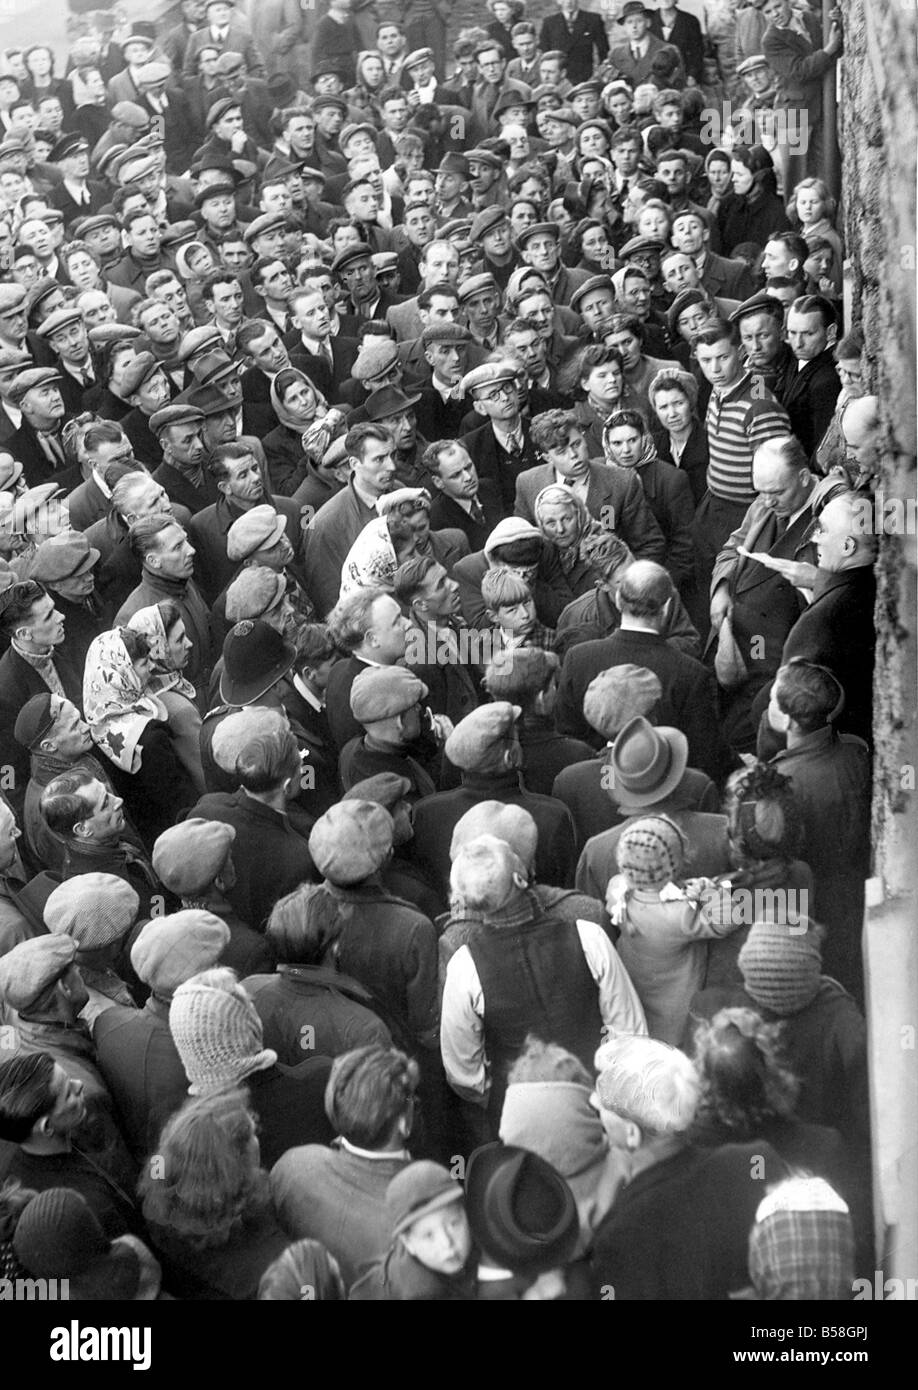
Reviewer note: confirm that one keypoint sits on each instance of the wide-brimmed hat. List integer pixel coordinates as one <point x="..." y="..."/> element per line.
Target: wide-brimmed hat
<point x="647" y="763"/>
<point x="522" y="1213"/>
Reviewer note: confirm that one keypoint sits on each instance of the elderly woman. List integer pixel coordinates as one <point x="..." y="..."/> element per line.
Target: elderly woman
<point x="84" y="268"/>
<point x="207" y="1202"/>
<point x="130" y="725"/>
<point x="628" y="443"/>
<point x="564" y="520"/>
<point x="634" y="292"/>
<point x="679" y="434"/>
<point x="753" y="211"/>
<point x="371" y="79"/>
<point x="306" y="429"/>
<point x="164" y="629"/>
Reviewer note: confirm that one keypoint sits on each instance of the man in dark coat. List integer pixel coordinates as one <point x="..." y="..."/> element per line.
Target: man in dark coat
<point x="793" y="46"/>
<point x="178" y="428"/>
<point x="580" y="35"/>
<point x="461" y="500"/>
<point x="369" y="626"/>
<point x="682" y="30"/>
<point x="809" y="394"/>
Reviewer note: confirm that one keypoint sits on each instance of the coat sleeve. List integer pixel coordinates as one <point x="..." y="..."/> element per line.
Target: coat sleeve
<point x="421" y="985"/>
<point x="636" y="524"/>
<point x="680" y="549"/>
<point x="462" y="1030"/>
<point x="804" y="69"/>
<point x="568" y="708"/>
<point x="699" y="721"/>
<point x="727" y="558"/>
<point x="680" y="631"/>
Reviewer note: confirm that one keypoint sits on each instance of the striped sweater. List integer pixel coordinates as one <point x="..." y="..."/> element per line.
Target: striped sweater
<point x="737" y="422"/>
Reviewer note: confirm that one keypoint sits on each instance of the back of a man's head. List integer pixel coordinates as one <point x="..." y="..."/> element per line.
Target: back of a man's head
<point x="643" y="593"/>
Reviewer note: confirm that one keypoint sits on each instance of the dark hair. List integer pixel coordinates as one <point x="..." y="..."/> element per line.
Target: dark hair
<point x="256" y="328"/>
<point x="743" y="1083"/>
<point x="62" y="803"/>
<point x="134" y="216"/>
<point x="368" y="1092"/>
<point x="135" y="644"/>
<point x="816" y="304"/>
<point x="26" y="1094"/>
<point x="301" y="936"/>
<point x="170" y="614"/>
<point x="257" y="268"/>
<point x="552" y="429"/>
<point x="794" y="243"/>
<point x="520" y="676"/>
<point x="425" y="298"/>
<point x="143" y="532"/>
<point x="218" y="277"/>
<point x="267" y="761"/>
<point x="626" y="323"/>
<point x="410" y="576"/>
<point x="716" y="332"/>
<point x="808" y="692"/>
<point x="224" y="454"/>
<point x="314" y="644"/>
<point x="358" y="436"/>
<point x="20" y="599"/>
<point x="598" y="355"/>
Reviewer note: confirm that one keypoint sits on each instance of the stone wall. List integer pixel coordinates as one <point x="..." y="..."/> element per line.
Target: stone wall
<point x="878" y="136"/>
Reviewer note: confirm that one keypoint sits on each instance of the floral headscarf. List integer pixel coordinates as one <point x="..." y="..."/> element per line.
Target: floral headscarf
<point x="117" y="707"/>
<point x="149" y="622"/>
<point x="371" y="561"/>
<point x="318" y="434"/>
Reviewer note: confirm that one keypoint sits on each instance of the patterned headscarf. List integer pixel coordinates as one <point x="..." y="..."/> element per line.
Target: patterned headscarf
<point x="117" y="707"/>
<point x="149" y="622"/>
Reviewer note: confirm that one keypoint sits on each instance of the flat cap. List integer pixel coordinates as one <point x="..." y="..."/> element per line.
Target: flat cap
<point x="648" y="245"/>
<point x="384" y="262"/>
<point x="97" y="223"/>
<point x="420" y="55"/>
<point x="538" y="229"/>
<point x="255" y="530"/>
<point x="757" y="304"/>
<point x="177" y="234"/>
<point x="563" y="113"/>
<point x="595" y="282"/>
<point x="140" y="163"/>
<point x="477" y="284"/>
<point x="103" y="333"/>
<point x="474" y="736"/>
<point x="386" y="789"/>
<point x="376" y="356"/>
<point x="131" y="113"/>
<point x="512" y="824"/>
<point x="268" y="222"/>
<point x="351" y="841"/>
<point x="187" y="857"/>
<point x="94" y="909"/>
<point x="40" y="292"/>
<point x="32" y="967"/>
<point x="71" y="142"/>
<point x="140" y="370"/>
<point x="356" y="128"/>
<point x="382" y="692"/>
<point x="480" y="156"/>
<point x="486" y="220"/>
<point x="488" y="374"/>
<point x="169" y="950"/>
<point x="592" y="87"/>
<point x="220" y="188"/>
<point x="11" y="297"/>
<point x="137" y="36"/>
<point x="329" y="99"/>
<point x="199" y="340"/>
<point x="63" y="556"/>
<point x="445" y="333"/>
<point x="175" y="415"/>
<point x="34" y="720"/>
<point x="254" y="592"/>
<point x="152" y="73"/>
<point x="10" y="471"/>
<point x="25" y="382"/>
<point x="618" y="695"/>
<point x="349" y="256"/>
<point x="218" y="109"/>
<point x="13" y="360"/>
<point x="755" y="60"/>
<point x="61" y="318"/>
<point x="229" y="63"/>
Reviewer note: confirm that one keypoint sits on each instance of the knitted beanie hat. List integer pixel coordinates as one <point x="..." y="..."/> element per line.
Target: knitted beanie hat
<point x="781" y="965"/>
<point x="58" y="1234"/>
<point x="217" y="1032"/>
<point x="650" y="852"/>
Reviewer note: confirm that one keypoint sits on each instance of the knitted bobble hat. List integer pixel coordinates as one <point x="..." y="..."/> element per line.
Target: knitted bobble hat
<point x="781" y="966"/>
<point x="217" y="1032"/>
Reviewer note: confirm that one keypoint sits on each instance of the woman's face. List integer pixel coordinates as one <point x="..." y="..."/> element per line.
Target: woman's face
<point x="653" y="222"/>
<point x="39" y="62"/>
<point x="501" y="12"/>
<point x="604" y="384"/>
<point x="810" y="207"/>
<point x="719" y="177"/>
<point x="301" y="401"/>
<point x="83" y="271"/>
<point x="624" y="445"/>
<point x="373" y="72"/>
<point x="561" y="217"/>
<point x="593" y="141"/>
<point x="741" y="177"/>
<point x="178" y="647"/>
<point x="674" y="411"/>
<point x="558" y="521"/>
<point x="595" y="244"/>
<point x="636" y="295"/>
<point x="851" y="375"/>
<point x="619" y="107"/>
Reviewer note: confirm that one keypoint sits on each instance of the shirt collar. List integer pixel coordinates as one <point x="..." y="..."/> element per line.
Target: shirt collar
<point x="308" y="695"/>
<point x="373" y="1153"/>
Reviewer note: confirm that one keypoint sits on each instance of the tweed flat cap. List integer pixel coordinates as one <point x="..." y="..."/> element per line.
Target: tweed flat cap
<point x="755" y="60"/>
<point x="31" y="967"/>
<point x="477" y="284"/>
<point x="95" y="909"/>
<point x="268" y="222"/>
<point x="170" y="950"/>
<point x="349" y="256"/>
<point x="175" y="415"/>
<point x="254" y="592"/>
<point x="63" y="556"/>
<point x="475" y="735"/>
<point x="595" y="282"/>
<point x="376" y="356"/>
<point x="25" y="382"/>
<point x="512" y="824"/>
<point x="445" y="333"/>
<point x="538" y="229"/>
<point x="151" y="74"/>
<point x="205" y="338"/>
<point x="187" y="857"/>
<point x="618" y="695"/>
<point x="486" y="220"/>
<point x="257" y="529"/>
<point x="488" y="374"/>
<point x="386" y="789"/>
<point x="479" y="156"/>
<point x="61" y="318"/>
<point x="144" y="366"/>
<point x="34" y="720"/>
<point x="382" y="692"/>
<point x="351" y="841"/>
<point x="218" y="109"/>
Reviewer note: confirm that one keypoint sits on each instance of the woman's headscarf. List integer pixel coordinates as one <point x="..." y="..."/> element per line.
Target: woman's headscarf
<point x="648" y="447"/>
<point x="314" y="437"/>
<point x="556" y="493"/>
<point x="181" y="258"/>
<point x="149" y="622"/>
<point x="361" y="59"/>
<point x="371" y="561"/>
<point x="761" y="166"/>
<point x="620" y="276"/>
<point x="117" y="707"/>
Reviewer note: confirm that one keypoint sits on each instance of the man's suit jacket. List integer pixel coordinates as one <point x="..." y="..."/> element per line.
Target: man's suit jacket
<point x="61" y="198"/>
<point x="18" y="683"/>
<point x="326" y="542"/>
<point x="439" y="419"/>
<point x="727" y="278"/>
<point x="329" y="380"/>
<point x="122" y="87"/>
<point x="182" y="490"/>
<point x="36" y="466"/>
<point x="838" y="630"/>
<point x="178" y="127"/>
<point x="614" y="497"/>
<point x="800" y="65"/>
<point x="447" y="513"/>
<point x="87" y="503"/>
<point x="687" y="37"/>
<point x="635" y="70"/>
<point x="692" y="805"/>
<point x="494" y="463"/>
<point x="584" y="43"/>
<point x="568" y="279"/>
<point x="405" y="320"/>
<point x="238" y="40"/>
<point x="208" y="530"/>
<point x="809" y="397"/>
<point x="688" y="700"/>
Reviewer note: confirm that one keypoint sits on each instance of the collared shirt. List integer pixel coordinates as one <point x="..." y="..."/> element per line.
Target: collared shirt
<point x="444" y="390"/>
<point x="511" y="442"/>
<point x="100" y="483"/>
<point x="387" y="1154"/>
<point x="309" y="695"/>
<point x="578" y="486"/>
<point x="318" y="347"/>
<point x="78" y="192"/>
<point x="366" y="498"/>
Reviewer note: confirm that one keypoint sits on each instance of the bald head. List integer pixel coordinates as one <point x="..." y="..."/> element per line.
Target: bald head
<point x="861" y="428"/>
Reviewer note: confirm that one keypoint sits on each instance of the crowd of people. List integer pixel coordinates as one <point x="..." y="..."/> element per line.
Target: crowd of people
<point x="437" y="626"/>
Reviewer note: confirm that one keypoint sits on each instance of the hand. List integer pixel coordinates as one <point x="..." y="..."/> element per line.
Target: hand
<point x="442" y="727"/>
<point x="721" y="605"/>
<point x="238" y="142"/>
<point x="414" y="97"/>
<point x="796" y="572"/>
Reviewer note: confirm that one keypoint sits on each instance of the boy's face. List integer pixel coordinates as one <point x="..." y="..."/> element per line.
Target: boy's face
<point x="441" y="1241"/>
<point x="516" y="618"/>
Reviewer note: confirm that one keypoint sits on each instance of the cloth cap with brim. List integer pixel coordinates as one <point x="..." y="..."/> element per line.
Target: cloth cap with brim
<point x="479" y="156"/>
<point x="218" y="1035"/>
<point x="178" y="234"/>
<point x="174" y="415"/>
<point x="521" y="1211"/>
<point x="12" y="360"/>
<point x="473" y="738"/>
<point x="538" y="229"/>
<point x="618" y="695"/>
<point x="98" y="223"/>
<point x="638" y="245"/>
<point x="647" y="763"/>
<point x="34" y="720"/>
<point x="418" y="1190"/>
<point x="383" y="692"/>
<point x="229" y="63"/>
<point x="354" y="128"/>
<point x="418" y="56"/>
<point x="781" y="965"/>
<point x="10" y="471"/>
<point x="189" y="856"/>
<point x="218" y="109"/>
<point x="61" y="318"/>
<point x="258" y="529"/>
<point x="386" y="789"/>
<point x="170" y="950"/>
<point x="349" y="256"/>
<point x="270" y="222"/>
<point x="756" y="304"/>
<point x="131" y="113"/>
<point x="454" y="163"/>
<point x="254" y="658"/>
<point x="477" y="284"/>
<point x="488" y="374"/>
<point x="351" y="841"/>
<point x="376" y="356"/>
<point x="138" y="372"/>
<point x="486" y="220"/>
<point x="151" y="74"/>
<point x="220" y="188"/>
<point x="385" y="262"/>
<point x="451" y="333"/>
<point x="104" y="333"/>
<point x="33" y="966"/>
<point x="64" y="556"/>
<point x="199" y="339"/>
<point x="254" y="592"/>
<point x="28" y="381"/>
<point x="329" y="101"/>
<point x="512" y="824"/>
<point x="94" y="909"/>
<point x="751" y="64"/>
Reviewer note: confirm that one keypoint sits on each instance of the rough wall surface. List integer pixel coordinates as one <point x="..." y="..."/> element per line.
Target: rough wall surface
<point x="879" y="135"/>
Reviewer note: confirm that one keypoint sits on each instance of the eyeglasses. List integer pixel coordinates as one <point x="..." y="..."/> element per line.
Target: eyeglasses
<point x="506" y="389"/>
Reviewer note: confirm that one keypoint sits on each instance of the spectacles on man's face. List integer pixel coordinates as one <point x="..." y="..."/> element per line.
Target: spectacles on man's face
<point x="505" y="390"/>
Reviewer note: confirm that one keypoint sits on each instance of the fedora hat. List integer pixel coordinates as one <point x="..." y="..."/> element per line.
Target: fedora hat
<point x="521" y="1211"/>
<point x="647" y="763"/>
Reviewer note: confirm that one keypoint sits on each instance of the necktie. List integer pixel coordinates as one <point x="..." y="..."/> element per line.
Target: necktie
<point x="329" y="355"/>
<point x="52" y="447"/>
<point x="635" y="52"/>
<point x="477" y="511"/>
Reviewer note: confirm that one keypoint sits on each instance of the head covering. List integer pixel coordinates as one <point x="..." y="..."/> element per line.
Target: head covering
<point x="377" y="355"/>
<point x="781" y="966"/>
<point x="647" y="763"/>
<point x="371" y="561"/>
<point x="304" y="1272"/>
<point x="59" y="1236"/>
<point x="238" y="729"/>
<point x="93" y="909"/>
<point x="187" y="857"/>
<point x="521" y="1211"/>
<point x="254" y="592"/>
<point x="217" y="1033"/>
<point x="618" y="695"/>
<point x="475" y="736"/>
<point x="32" y="966"/>
<point x="417" y="1190"/>
<point x="149" y="622"/>
<point x="383" y="692"/>
<point x="557" y="493"/>
<point x="34" y="720"/>
<point x="650" y="852"/>
<point x="279" y="387"/>
<point x="802" y="1244"/>
<point x="351" y="841"/>
<point x="512" y="824"/>
<point x="117" y="706"/>
<point x="170" y="950"/>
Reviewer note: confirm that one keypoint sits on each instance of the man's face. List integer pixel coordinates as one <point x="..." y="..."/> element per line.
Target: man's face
<point x="832" y="533"/>
<point x="76" y="586"/>
<point x="375" y="471"/>
<point x="538" y="308"/>
<point x="219" y="211"/>
<point x="36" y="234"/>
<point x="596" y="309"/>
<point x="404" y="430"/>
<point x="161" y="325"/>
<point x="220" y="428"/>
<point x="301" y="134"/>
<point x="50" y="114"/>
<point x="422" y="73"/>
<point x="329" y="120"/>
<point x="243" y="481"/>
<point x="760" y="336"/>
<point x="482" y="176"/>
<point x="447" y="361"/>
<point x="777" y="260"/>
<point x="276" y="198"/>
<point x="570" y="458"/>
<point x="362" y="203"/>
<point x="173" y="296"/>
<point x="227" y="303"/>
<point x="443" y="308"/>
<point x="482" y="310"/>
<point x="173" y="557"/>
<point x="759" y="79"/>
<point x="218" y="16"/>
<point x="807" y="335"/>
<point x="71" y="343"/>
<point x="549" y="72"/>
<point x="276" y="282"/>
<point x="441" y="1241"/>
<point x="390" y="41"/>
<point x="269" y="353"/>
<point x="498" y="402"/>
<point x="680" y="273"/>
<point x="9" y="834"/>
<point x="720" y="362"/>
<point x="530" y="349"/>
<point x="635" y="26"/>
<point x="69" y="733"/>
<point x="456" y="476"/>
<point x="228" y="124"/>
<point x="440" y="264"/>
<point x="689" y="234"/>
<point x="147" y="499"/>
<point x="516" y="618"/>
<point x="777" y="12"/>
<point x="44" y="626"/>
<point x="636" y="295"/>
<point x="104" y="241"/>
<point x="270" y="243"/>
<point x="185" y="443"/>
<point x="388" y="631"/>
<point x="96" y="307"/>
<point x="43" y="405"/>
<point x="144" y="237"/>
<point x="235" y="255"/>
<point x="448" y="186"/>
<point x="69" y="1109"/>
<point x="625" y="157"/>
<point x="151" y="395"/>
<point x="13" y="324"/>
<point x="673" y="175"/>
<point x="784" y="490"/>
<point x="496" y="242"/>
<point x="312" y="316"/>
<point x="863" y="446"/>
<point x="556" y="132"/>
<point x="419" y="226"/>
